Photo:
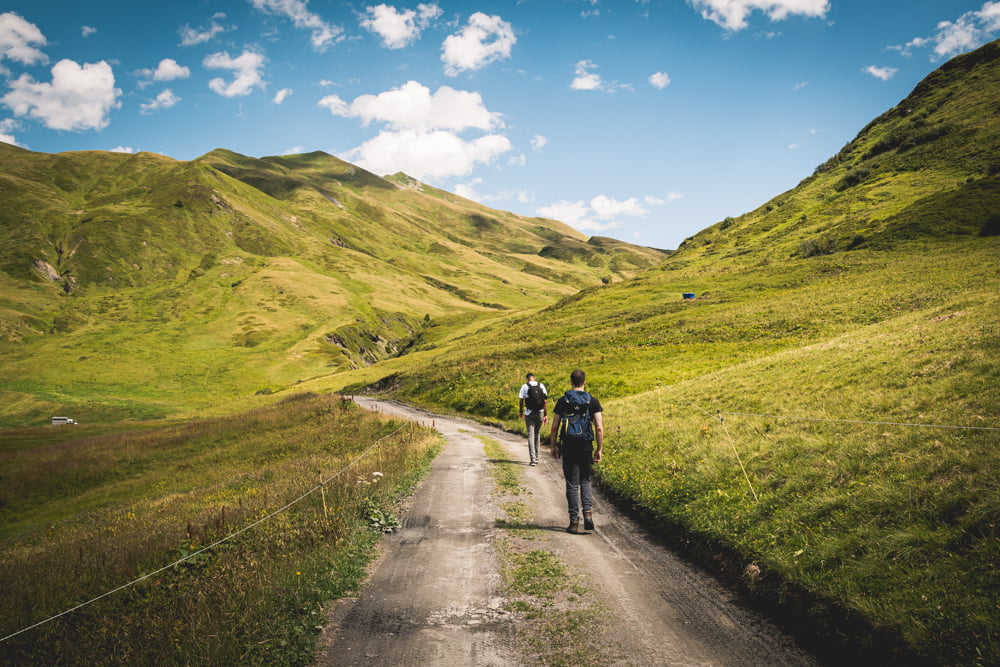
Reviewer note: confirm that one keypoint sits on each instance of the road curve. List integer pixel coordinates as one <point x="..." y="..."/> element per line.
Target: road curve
<point x="434" y="596"/>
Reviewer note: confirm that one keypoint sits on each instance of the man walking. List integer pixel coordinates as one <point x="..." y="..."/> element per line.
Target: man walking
<point x="580" y="416"/>
<point x="532" y="398"/>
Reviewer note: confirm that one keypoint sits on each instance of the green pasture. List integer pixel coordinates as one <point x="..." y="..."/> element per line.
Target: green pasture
<point x="765" y="415"/>
<point x="825" y="411"/>
<point x="298" y="492"/>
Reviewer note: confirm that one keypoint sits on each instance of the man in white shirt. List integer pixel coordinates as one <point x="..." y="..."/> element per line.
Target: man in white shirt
<point x="532" y="398"/>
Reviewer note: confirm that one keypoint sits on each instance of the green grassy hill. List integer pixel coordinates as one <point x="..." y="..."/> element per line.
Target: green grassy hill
<point x="925" y="169"/>
<point x="136" y="286"/>
<point x="822" y="418"/>
<point x="827" y="409"/>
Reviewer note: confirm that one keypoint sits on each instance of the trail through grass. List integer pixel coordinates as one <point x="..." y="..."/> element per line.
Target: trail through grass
<point x="558" y="615"/>
<point x="864" y="501"/>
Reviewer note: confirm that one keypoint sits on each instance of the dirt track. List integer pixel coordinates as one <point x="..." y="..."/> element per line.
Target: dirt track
<point x="434" y="596"/>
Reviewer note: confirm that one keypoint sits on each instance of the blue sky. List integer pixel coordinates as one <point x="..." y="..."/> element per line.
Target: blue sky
<point x="644" y="120"/>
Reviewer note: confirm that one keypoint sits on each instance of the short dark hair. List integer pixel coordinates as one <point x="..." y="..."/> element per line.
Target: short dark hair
<point x="578" y="378"/>
<point x="529" y="376"/>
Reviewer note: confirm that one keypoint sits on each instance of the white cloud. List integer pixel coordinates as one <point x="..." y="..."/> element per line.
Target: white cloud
<point x="659" y="80"/>
<point x="193" y="36"/>
<point x="399" y="28"/>
<point x="573" y="213"/>
<point x="732" y="14"/>
<point x="164" y="100"/>
<point x="884" y="73"/>
<point x="246" y="67"/>
<point x="989" y="16"/>
<point x="122" y="149"/>
<point x="78" y="98"/>
<point x="19" y="40"/>
<point x="294" y="150"/>
<point x="413" y="106"/>
<point x="970" y="31"/>
<point x="428" y="155"/>
<point x="606" y="208"/>
<point x="422" y="131"/>
<point x="169" y="70"/>
<point x="323" y="34"/>
<point x="166" y="70"/>
<point x="335" y="106"/>
<point x="538" y="142"/>
<point x="87" y="30"/>
<point x="7" y="127"/>
<point x="468" y="190"/>
<point x="601" y="213"/>
<point x="282" y="95"/>
<point x="483" y="40"/>
<point x="799" y="85"/>
<point x="585" y="79"/>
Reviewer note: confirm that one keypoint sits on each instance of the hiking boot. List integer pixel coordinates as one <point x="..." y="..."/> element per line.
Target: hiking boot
<point x="574" y="528"/>
<point x="588" y="521"/>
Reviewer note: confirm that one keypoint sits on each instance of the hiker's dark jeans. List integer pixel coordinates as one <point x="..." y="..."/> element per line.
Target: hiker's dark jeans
<point x="578" y="463"/>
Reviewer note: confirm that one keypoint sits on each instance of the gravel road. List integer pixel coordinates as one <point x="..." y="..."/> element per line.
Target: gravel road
<point x="434" y="596"/>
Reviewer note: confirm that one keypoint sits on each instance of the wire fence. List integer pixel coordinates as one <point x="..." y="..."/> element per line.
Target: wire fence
<point x="718" y="416"/>
<point x="860" y="421"/>
<point x="321" y="485"/>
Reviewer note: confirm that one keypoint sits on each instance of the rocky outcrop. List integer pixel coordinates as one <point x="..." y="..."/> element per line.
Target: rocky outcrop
<point x="49" y="272"/>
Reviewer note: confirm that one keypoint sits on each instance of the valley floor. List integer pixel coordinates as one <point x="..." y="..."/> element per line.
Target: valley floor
<point x="436" y="595"/>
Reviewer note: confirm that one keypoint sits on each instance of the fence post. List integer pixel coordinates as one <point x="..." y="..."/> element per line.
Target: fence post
<point x="322" y="493"/>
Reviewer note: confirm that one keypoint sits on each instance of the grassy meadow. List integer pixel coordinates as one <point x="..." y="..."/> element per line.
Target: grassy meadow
<point x="822" y="417"/>
<point x="306" y="485"/>
<point x="256" y="273"/>
<point x="792" y="417"/>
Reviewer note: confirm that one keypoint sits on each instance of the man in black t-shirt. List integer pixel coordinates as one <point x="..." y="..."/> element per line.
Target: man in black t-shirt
<point x="580" y="416"/>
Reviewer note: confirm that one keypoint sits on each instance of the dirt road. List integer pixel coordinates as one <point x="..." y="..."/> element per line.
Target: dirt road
<point x="435" y="598"/>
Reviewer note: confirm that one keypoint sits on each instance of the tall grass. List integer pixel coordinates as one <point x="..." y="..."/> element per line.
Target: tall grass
<point x="896" y="524"/>
<point x="85" y="515"/>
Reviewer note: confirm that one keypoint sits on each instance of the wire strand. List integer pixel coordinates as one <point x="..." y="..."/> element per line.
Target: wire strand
<point x="214" y="544"/>
<point x="732" y="442"/>
<point x="860" y="421"/>
<point x="739" y="459"/>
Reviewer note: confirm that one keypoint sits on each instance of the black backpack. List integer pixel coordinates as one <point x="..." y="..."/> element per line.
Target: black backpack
<point x="536" y="397"/>
<point x="578" y="420"/>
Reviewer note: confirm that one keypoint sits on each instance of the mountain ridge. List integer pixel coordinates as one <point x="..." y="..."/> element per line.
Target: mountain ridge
<point x="307" y="257"/>
<point x="936" y="146"/>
